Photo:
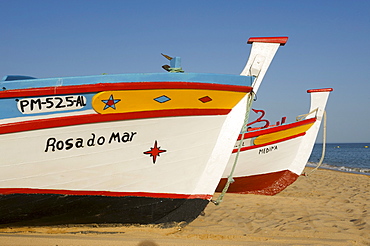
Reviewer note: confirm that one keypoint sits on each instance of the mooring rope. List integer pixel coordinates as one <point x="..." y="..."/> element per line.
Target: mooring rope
<point x="244" y="130"/>
<point x="323" y="145"/>
<point x="303" y="116"/>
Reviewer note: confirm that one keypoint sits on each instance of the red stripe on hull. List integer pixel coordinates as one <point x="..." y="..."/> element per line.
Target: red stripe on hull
<point x="8" y="191"/>
<point x="75" y="89"/>
<point x="263" y="184"/>
<point x="275" y="129"/>
<point x="269" y="143"/>
<point x="96" y="118"/>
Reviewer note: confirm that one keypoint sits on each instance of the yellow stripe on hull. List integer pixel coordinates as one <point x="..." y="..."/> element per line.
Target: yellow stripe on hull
<point x="108" y="102"/>
<point x="267" y="138"/>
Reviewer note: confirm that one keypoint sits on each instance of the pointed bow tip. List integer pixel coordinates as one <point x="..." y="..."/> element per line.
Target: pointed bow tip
<point x="320" y="90"/>
<point x="281" y="40"/>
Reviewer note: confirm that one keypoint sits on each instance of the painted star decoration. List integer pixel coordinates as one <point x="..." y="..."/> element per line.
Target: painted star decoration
<point x="110" y="103"/>
<point x="154" y="152"/>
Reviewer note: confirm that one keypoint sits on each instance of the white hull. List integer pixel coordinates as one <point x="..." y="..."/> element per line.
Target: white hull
<point x="114" y="165"/>
<point x="270" y="167"/>
<point x="128" y="148"/>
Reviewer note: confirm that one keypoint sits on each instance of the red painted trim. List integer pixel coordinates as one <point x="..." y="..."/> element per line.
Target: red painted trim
<point x="269" y="143"/>
<point x="281" y="40"/>
<point x="75" y="89"/>
<point x="275" y="129"/>
<point x="263" y="184"/>
<point x="320" y="90"/>
<point x="8" y="191"/>
<point x="96" y="118"/>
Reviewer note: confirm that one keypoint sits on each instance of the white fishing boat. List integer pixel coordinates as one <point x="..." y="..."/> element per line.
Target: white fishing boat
<point x="126" y="148"/>
<point x="267" y="159"/>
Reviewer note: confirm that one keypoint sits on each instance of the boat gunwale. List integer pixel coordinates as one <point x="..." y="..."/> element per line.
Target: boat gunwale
<point x="269" y="143"/>
<point x="89" y="88"/>
<point x="268" y="130"/>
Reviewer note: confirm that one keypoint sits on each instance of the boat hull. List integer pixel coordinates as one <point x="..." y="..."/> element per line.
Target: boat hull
<point x="56" y="209"/>
<point x="272" y="158"/>
<point x="129" y="148"/>
<point x="263" y="169"/>
<point x="268" y="184"/>
<point x="129" y="153"/>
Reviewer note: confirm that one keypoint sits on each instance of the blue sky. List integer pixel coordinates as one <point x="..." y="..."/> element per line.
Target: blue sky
<point x="328" y="46"/>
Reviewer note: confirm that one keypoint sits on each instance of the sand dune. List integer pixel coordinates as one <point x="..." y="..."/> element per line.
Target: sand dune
<point x="324" y="208"/>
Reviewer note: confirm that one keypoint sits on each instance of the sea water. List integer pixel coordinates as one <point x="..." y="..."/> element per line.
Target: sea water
<point x="348" y="157"/>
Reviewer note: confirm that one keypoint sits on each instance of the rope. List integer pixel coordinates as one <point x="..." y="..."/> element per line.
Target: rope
<point x="323" y="145"/>
<point x="244" y="130"/>
<point x="303" y="116"/>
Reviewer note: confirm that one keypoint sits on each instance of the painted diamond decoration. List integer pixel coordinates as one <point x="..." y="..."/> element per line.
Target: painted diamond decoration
<point x="205" y="99"/>
<point x="162" y="99"/>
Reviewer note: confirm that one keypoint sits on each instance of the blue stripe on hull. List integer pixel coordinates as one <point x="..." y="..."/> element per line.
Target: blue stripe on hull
<point x="129" y="78"/>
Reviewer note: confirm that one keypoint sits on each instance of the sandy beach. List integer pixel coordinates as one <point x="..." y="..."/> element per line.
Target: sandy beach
<point x="324" y="208"/>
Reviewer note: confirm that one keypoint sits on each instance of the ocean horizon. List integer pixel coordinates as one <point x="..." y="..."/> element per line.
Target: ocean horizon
<point x="346" y="157"/>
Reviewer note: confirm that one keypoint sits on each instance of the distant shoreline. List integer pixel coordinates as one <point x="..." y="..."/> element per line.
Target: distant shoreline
<point x="335" y="168"/>
<point x="365" y="143"/>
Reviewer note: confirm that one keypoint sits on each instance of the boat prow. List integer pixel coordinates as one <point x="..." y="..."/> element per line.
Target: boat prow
<point x="272" y="158"/>
<point x="125" y="148"/>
